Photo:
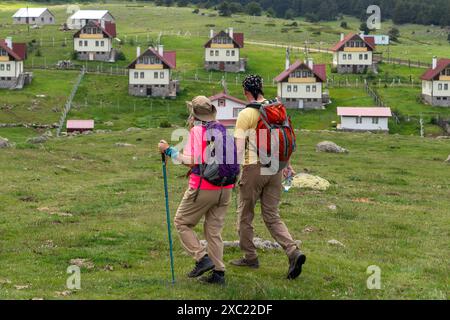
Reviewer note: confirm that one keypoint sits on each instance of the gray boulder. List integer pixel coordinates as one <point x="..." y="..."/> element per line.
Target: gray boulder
<point x="331" y="147"/>
<point x="38" y="140"/>
<point x="4" y="143"/>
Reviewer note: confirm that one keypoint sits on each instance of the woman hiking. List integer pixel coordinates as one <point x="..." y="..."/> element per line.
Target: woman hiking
<point x="207" y="196"/>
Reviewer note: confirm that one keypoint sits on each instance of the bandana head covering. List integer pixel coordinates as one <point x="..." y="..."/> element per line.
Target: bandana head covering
<point x="253" y="83"/>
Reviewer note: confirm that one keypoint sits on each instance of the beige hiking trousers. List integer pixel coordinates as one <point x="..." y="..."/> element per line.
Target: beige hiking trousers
<point x="267" y="188"/>
<point x="213" y="205"/>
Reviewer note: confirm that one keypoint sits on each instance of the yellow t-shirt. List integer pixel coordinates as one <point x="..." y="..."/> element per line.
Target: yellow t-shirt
<point x="245" y="129"/>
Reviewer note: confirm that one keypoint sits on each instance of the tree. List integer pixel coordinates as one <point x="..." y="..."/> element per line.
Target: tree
<point x="448" y="37"/>
<point x="364" y="28"/>
<point x="236" y="7"/>
<point x="290" y="14"/>
<point x="253" y="9"/>
<point x="271" y="13"/>
<point x="344" y="25"/>
<point x="224" y="9"/>
<point x="394" y="33"/>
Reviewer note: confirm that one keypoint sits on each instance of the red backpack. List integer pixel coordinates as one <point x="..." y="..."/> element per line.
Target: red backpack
<point x="273" y="116"/>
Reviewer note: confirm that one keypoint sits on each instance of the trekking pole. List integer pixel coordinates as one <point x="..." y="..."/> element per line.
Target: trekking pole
<point x="166" y="193"/>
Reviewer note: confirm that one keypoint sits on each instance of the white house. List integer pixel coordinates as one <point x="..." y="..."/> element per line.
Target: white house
<point x="364" y="119"/>
<point x="94" y="42"/>
<point x="354" y="54"/>
<point x="150" y="74"/>
<point x="436" y="83"/>
<point x="379" y="39"/>
<point x="223" y="51"/>
<point x="12" y="56"/>
<point x="301" y="85"/>
<point x="33" y="16"/>
<point x="228" y="108"/>
<point x="80" y="18"/>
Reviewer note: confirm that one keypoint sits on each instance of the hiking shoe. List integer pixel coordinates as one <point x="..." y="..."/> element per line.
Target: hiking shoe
<point x="296" y="262"/>
<point x="243" y="262"/>
<point x="215" y="277"/>
<point x="205" y="264"/>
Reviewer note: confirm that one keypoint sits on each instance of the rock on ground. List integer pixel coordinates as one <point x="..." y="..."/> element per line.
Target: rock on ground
<point x="4" y="143"/>
<point x="37" y="140"/>
<point x="121" y="144"/>
<point x="259" y="243"/>
<point x="133" y="129"/>
<point x="448" y="159"/>
<point x="307" y="181"/>
<point x="82" y="263"/>
<point x="328" y="146"/>
<point x="334" y="242"/>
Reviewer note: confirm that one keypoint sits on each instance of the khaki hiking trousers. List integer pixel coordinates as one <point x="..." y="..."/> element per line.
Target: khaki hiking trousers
<point x="267" y="188"/>
<point x="213" y="205"/>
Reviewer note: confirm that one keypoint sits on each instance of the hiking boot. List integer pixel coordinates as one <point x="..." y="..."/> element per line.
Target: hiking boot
<point x="205" y="264"/>
<point x="296" y="262"/>
<point x="215" y="277"/>
<point x="243" y="262"/>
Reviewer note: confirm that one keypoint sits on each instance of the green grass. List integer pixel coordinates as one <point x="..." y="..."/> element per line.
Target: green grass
<point x="118" y="219"/>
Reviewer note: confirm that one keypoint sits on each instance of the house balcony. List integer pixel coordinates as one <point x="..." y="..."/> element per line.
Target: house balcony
<point x="91" y="36"/>
<point x="302" y="80"/>
<point x="141" y="66"/>
<point x="4" y="58"/>
<point x="222" y="46"/>
<point x="355" y="49"/>
<point x="444" y="78"/>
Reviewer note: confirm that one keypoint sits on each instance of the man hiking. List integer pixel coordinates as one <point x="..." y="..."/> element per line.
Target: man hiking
<point x="208" y="195"/>
<point x="255" y="183"/>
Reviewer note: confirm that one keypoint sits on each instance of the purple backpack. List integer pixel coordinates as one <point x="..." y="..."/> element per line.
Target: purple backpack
<point x="221" y="168"/>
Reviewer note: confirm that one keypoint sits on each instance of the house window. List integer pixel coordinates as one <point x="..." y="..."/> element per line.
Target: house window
<point x="374" y="120"/>
<point x="236" y="112"/>
<point x="233" y="53"/>
<point x="358" y="120"/>
<point x="366" y="57"/>
<point x="142" y="75"/>
<point x="80" y="43"/>
<point x="97" y="43"/>
<point x="2" y="67"/>
<point x="289" y="88"/>
<point x="314" y="88"/>
<point x="161" y="74"/>
<point x="42" y="19"/>
<point x="8" y="67"/>
<point x="308" y="88"/>
<point x="344" y="56"/>
<point x="221" y="103"/>
<point x="446" y="86"/>
<point x="228" y="53"/>
<point x="440" y="86"/>
<point x="102" y="43"/>
<point x="295" y="88"/>
<point x="155" y="75"/>
<point x="360" y="57"/>
<point x="211" y="53"/>
<point x="349" y="56"/>
<point x="217" y="53"/>
<point x="85" y="43"/>
<point x="136" y="75"/>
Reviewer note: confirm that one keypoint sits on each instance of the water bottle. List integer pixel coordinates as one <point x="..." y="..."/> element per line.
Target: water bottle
<point x="287" y="183"/>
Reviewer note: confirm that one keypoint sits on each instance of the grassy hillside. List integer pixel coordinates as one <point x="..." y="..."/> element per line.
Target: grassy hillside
<point x="86" y="198"/>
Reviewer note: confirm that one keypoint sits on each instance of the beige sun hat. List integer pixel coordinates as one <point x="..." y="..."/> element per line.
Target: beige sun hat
<point x="201" y="108"/>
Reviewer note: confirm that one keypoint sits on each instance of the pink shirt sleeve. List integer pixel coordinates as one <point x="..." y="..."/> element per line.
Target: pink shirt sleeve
<point x="195" y="144"/>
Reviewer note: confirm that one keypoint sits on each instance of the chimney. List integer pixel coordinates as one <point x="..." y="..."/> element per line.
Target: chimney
<point x="211" y="33"/>
<point x="161" y="50"/>
<point x="138" y="52"/>
<point x="310" y="63"/>
<point x="434" y="63"/>
<point x="231" y="32"/>
<point x="288" y="59"/>
<point x="342" y="36"/>
<point x="8" y="41"/>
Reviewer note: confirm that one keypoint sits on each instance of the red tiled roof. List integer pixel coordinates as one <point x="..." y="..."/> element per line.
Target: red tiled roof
<point x="431" y="73"/>
<point x="364" y="112"/>
<point x="169" y="58"/>
<point x="223" y="95"/>
<point x="18" y="52"/>
<point x="238" y="39"/>
<point x="370" y="41"/>
<point x="319" y="70"/>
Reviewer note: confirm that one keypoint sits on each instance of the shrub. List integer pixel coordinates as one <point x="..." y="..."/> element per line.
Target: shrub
<point x="121" y="56"/>
<point x="165" y="124"/>
<point x="196" y="11"/>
